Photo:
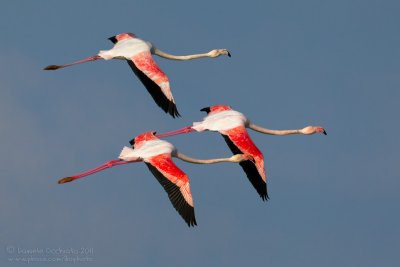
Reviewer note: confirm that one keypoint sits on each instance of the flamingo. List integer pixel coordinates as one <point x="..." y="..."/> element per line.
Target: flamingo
<point x="138" y="54"/>
<point x="157" y="154"/>
<point x="232" y="126"/>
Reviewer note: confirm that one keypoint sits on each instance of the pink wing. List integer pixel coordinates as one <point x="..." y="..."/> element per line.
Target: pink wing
<point x="239" y="141"/>
<point x="155" y="81"/>
<point x="176" y="184"/>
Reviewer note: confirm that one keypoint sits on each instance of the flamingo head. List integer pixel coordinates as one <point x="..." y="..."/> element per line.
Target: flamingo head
<point x="242" y="157"/>
<point x="219" y="52"/>
<point x="312" y="130"/>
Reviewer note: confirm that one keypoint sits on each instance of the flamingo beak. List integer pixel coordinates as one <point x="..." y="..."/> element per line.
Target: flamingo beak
<point x="324" y="132"/>
<point x="250" y="158"/>
<point x="229" y="54"/>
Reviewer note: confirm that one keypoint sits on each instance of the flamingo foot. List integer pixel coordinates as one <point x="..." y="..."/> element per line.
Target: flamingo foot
<point x="53" y="67"/>
<point x="66" y="180"/>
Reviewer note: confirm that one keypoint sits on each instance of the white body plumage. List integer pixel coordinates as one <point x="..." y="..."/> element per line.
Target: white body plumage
<point x="146" y="150"/>
<point x="221" y="121"/>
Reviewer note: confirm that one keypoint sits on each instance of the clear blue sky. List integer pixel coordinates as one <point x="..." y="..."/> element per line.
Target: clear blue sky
<point x="334" y="200"/>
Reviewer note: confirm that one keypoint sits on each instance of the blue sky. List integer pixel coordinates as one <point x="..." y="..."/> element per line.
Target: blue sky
<point x="334" y="200"/>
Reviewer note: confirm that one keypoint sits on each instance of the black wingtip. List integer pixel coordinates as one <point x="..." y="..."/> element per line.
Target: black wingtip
<point x="207" y="109"/>
<point x="113" y="39"/>
<point x="167" y="105"/>
<point x="172" y="110"/>
<point x="185" y="210"/>
<point x="132" y="142"/>
<point x="251" y="171"/>
<point x="192" y="223"/>
<point x="265" y="197"/>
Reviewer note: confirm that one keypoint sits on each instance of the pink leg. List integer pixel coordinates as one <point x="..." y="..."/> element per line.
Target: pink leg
<point x="55" y="67"/>
<point x="184" y="130"/>
<point x="104" y="166"/>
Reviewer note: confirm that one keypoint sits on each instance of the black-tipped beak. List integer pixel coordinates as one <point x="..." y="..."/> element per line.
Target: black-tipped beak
<point x="229" y="54"/>
<point x="251" y="158"/>
<point x="324" y="132"/>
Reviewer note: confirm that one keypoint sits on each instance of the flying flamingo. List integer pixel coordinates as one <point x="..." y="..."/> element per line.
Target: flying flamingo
<point x="157" y="154"/>
<point x="232" y="126"/>
<point x="138" y="54"/>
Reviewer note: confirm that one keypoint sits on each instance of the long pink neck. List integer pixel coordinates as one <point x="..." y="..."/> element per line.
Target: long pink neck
<point x="108" y="164"/>
<point x="184" y="130"/>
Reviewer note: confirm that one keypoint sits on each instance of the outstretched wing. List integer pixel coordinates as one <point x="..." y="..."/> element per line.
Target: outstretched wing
<point x="240" y="142"/>
<point x="176" y="183"/>
<point x="250" y="168"/>
<point x="155" y="81"/>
